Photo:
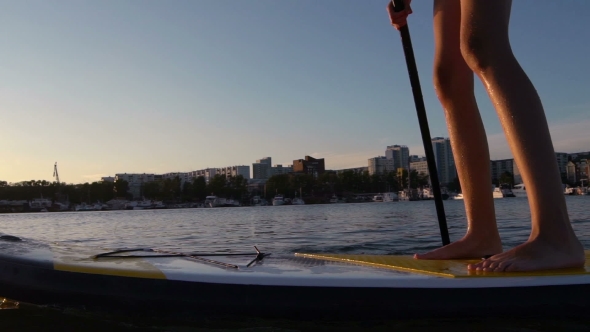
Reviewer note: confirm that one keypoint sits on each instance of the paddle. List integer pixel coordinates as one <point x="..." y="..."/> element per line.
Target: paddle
<point x="398" y="5"/>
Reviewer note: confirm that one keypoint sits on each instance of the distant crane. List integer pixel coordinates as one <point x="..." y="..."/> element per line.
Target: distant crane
<point x="55" y="174"/>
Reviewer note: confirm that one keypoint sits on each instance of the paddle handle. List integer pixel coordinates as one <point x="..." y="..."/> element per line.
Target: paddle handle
<point x="398" y="5"/>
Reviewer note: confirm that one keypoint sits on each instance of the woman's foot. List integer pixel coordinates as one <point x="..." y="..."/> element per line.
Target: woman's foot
<point x="536" y="254"/>
<point x="470" y="246"/>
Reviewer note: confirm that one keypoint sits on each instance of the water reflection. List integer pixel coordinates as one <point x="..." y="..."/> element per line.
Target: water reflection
<point x="371" y="228"/>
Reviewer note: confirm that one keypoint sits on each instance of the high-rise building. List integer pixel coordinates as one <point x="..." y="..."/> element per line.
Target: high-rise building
<point x="400" y="154"/>
<point x="443" y="157"/>
<point x="499" y="167"/>
<point x="135" y="181"/>
<point x="207" y="173"/>
<point x="261" y="169"/>
<point x="279" y="169"/>
<point x="562" y="159"/>
<point x="309" y="165"/>
<point x="421" y="167"/>
<point x="242" y="170"/>
<point x="380" y="165"/>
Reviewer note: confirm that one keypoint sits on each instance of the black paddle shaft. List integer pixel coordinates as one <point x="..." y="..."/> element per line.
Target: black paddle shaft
<point x="398" y="5"/>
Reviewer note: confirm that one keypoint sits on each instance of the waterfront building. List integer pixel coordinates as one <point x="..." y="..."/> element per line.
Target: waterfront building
<point x="309" y="165"/>
<point x="234" y="171"/>
<point x="499" y="167"/>
<point x="184" y="177"/>
<point x="207" y="173"/>
<point x="380" y="165"/>
<point x="578" y="171"/>
<point x="135" y="181"/>
<point x="443" y="157"/>
<point x="399" y="154"/>
<point x="414" y="158"/>
<point x="358" y="170"/>
<point x="562" y="159"/>
<point x="261" y="169"/>
<point x="279" y="169"/>
<point x="421" y="167"/>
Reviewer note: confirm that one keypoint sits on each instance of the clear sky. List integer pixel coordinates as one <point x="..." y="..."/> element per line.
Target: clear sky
<point x="114" y="86"/>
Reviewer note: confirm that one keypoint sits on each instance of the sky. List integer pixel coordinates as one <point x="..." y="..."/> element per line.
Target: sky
<point x="150" y="86"/>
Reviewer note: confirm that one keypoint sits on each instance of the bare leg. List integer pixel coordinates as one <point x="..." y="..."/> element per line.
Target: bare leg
<point x="486" y="48"/>
<point x="453" y="81"/>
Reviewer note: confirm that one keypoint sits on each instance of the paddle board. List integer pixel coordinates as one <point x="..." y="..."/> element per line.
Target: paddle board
<point x="300" y="284"/>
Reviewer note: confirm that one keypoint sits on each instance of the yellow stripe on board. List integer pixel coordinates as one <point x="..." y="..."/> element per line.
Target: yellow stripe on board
<point x="131" y="267"/>
<point x="443" y="268"/>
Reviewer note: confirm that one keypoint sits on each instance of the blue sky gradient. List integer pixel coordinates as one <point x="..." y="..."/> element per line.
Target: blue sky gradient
<point x="111" y="86"/>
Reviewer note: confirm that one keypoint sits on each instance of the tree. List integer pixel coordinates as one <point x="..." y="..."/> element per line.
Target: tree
<point x="216" y="185"/>
<point x="152" y="190"/>
<point x="121" y="188"/>
<point x="200" y="188"/>
<point x="506" y="178"/>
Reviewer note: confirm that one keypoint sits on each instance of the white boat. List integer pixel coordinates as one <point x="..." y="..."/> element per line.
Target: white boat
<point x="297" y="201"/>
<point x="278" y="200"/>
<point x="378" y="198"/>
<point x="519" y="190"/>
<point x="426" y="194"/>
<point x="213" y="201"/>
<point x="40" y="204"/>
<point x="158" y="205"/>
<point x="85" y="207"/>
<point x="458" y="196"/>
<point x="497" y="192"/>
<point x="231" y="203"/>
<point x="143" y="205"/>
<point x="390" y="197"/>
<point x="257" y="201"/>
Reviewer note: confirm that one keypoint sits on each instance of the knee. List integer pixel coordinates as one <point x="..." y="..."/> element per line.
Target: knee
<point x="483" y="52"/>
<point x="448" y="82"/>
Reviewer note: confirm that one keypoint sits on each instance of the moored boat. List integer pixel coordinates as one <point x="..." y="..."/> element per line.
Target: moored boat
<point x="278" y="200"/>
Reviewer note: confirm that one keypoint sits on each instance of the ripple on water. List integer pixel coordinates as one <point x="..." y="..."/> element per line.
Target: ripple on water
<point x="371" y="228"/>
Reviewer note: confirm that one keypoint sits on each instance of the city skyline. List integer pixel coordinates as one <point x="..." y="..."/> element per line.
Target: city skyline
<point x="420" y="159"/>
<point x="109" y="86"/>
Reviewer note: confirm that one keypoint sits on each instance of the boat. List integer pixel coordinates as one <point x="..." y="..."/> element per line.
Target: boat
<point x="378" y="198"/>
<point x="458" y="196"/>
<point x="497" y="192"/>
<point x="40" y="204"/>
<point x="231" y="203"/>
<point x="297" y="201"/>
<point x="82" y="207"/>
<point x="214" y="201"/>
<point x="506" y="190"/>
<point x="519" y="190"/>
<point x="426" y="194"/>
<point x="278" y="200"/>
<point x="390" y="197"/>
<point x="152" y="281"/>
<point x="257" y="201"/>
<point x="334" y="199"/>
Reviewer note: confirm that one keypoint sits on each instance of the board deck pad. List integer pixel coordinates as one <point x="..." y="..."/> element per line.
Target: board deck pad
<point x="81" y="260"/>
<point x="454" y="268"/>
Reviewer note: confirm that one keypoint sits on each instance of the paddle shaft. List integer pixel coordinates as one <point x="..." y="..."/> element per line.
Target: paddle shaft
<point x="398" y="5"/>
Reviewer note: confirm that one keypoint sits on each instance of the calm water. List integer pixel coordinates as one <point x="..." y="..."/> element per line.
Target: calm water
<point x="379" y="228"/>
<point x="376" y="228"/>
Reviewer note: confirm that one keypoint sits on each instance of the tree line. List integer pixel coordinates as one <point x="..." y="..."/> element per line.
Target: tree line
<point x="236" y="187"/>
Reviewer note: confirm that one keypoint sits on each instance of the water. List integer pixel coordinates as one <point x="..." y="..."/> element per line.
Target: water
<point x="371" y="228"/>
